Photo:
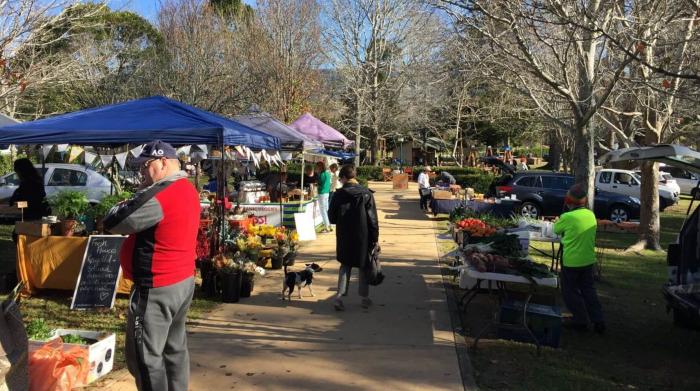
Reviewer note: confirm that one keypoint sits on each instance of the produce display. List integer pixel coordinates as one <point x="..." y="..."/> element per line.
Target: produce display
<point x="476" y="227"/>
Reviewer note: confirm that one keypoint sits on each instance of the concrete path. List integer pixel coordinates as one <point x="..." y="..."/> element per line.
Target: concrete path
<point x="404" y="342"/>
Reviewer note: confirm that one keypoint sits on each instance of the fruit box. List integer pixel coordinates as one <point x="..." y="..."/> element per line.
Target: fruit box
<point x="442" y="195"/>
<point x="100" y="353"/>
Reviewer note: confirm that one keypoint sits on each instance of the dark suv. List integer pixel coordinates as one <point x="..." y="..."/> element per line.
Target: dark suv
<point x="542" y="194"/>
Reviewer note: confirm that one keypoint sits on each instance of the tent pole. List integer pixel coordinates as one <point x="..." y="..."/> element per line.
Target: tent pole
<point x="43" y="164"/>
<point x="221" y="192"/>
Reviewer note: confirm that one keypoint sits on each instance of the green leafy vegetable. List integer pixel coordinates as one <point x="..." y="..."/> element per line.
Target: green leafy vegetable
<point x="38" y="330"/>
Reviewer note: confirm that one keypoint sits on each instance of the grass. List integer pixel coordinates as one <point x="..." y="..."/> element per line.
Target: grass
<point x="641" y="350"/>
<point x="54" y="306"/>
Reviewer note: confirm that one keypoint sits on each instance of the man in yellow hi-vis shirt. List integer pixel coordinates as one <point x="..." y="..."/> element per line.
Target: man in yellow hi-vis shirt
<point x="577" y="227"/>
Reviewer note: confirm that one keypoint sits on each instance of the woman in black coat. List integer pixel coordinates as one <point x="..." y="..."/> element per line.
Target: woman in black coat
<point x="354" y="213"/>
<point x="31" y="189"/>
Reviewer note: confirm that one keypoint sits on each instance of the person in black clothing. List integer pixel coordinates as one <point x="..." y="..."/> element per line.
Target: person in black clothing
<point x="354" y="213"/>
<point x="31" y="190"/>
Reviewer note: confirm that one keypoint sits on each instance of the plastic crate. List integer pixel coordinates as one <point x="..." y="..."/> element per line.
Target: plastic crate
<point x="544" y="321"/>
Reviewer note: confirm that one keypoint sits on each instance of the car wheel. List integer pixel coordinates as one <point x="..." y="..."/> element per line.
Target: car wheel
<point x="662" y="204"/>
<point x="619" y="214"/>
<point x="694" y="193"/>
<point x="530" y="210"/>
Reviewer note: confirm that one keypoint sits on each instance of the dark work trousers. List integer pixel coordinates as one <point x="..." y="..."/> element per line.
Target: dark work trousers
<point x="424" y="199"/>
<point x="156" y="341"/>
<point x="580" y="295"/>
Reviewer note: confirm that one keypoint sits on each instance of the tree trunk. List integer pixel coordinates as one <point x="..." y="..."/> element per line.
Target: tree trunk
<point x="554" y="154"/>
<point x="583" y="162"/>
<point x="358" y="129"/>
<point x="649" y="224"/>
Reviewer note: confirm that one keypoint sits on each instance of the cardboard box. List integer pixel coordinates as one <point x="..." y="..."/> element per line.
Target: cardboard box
<point x="400" y="181"/>
<point x="32" y="228"/>
<point x="442" y="194"/>
<point x="100" y="353"/>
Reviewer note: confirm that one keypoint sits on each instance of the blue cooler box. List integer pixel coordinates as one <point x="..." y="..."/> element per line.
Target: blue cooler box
<point x="544" y="321"/>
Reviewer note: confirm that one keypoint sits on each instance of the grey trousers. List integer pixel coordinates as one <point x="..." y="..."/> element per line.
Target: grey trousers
<point x="344" y="281"/>
<point x="156" y="340"/>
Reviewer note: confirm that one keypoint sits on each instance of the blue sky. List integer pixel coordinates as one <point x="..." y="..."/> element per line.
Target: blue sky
<point x="146" y="8"/>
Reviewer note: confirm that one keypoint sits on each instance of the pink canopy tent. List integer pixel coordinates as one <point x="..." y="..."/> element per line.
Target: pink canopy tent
<point x="315" y="129"/>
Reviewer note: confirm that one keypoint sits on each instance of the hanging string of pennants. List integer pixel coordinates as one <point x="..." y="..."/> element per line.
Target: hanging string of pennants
<point x="77" y="154"/>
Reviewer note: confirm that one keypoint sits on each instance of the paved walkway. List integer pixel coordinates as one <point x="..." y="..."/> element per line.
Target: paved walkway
<point x="405" y="342"/>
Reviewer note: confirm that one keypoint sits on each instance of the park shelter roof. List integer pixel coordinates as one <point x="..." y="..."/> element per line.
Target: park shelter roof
<point x="315" y="129"/>
<point x="290" y="139"/>
<point x="138" y="121"/>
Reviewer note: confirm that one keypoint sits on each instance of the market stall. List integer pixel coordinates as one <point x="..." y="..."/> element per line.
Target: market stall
<point x="494" y="251"/>
<point x="50" y="262"/>
<point x="53" y="262"/>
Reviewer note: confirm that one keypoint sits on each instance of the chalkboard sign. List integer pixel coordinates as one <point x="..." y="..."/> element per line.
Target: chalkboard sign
<point x="99" y="273"/>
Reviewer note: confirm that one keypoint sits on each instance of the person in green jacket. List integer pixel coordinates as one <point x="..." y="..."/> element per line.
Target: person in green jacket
<point x="577" y="229"/>
<point x="324" y="190"/>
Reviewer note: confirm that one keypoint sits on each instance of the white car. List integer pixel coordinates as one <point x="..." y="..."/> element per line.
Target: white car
<point x="629" y="183"/>
<point x="665" y="179"/>
<point x="686" y="180"/>
<point x="60" y="177"/>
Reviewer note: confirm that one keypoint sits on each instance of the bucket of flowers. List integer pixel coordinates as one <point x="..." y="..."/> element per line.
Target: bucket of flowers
<point x="230" y="273"/>
<point x="250" y="272"/>
<point x="249" y="246"/>
<point x="281" y="248"/>
<point x="293" y="246"/>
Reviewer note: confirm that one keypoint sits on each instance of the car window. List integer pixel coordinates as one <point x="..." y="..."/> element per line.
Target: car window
<point x="623" y="178"/>
<point x="605" y="177"/>
<point x="555" y="182"/>
<point x="528" y="181"/>
<point x="65" y="177"/>
<point x="12" y="180"/>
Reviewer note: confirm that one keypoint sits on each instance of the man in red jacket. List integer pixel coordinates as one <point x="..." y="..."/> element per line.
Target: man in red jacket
<point x="158" y="256"/>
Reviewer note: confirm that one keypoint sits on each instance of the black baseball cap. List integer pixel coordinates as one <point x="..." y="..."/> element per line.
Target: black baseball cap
<point x="155" y="150"/>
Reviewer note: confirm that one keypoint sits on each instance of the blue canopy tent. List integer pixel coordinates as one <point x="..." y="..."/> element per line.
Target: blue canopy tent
<point x="136" y="122"/>
<point x="140" y="121"/>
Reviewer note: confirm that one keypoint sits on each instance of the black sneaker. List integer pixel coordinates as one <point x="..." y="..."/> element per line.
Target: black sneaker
<point x="599" y="327"/>
<point x="338" y="305"/>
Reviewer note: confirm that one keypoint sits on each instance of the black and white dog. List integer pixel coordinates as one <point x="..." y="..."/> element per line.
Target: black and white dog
<point x="292" y="279"/>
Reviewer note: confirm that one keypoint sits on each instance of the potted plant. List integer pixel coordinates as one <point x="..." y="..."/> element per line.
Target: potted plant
<point x="230" y="274"/>
<point x="281" y="248"/>
<point x="293" y="245"/>
<point x="249" y="245"/>
<point x="99" y="211"/>
<point x="68" y="206"/>
<point x="250" y="269"/>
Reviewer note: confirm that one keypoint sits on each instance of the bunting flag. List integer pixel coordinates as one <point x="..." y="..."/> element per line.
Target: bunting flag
<point x="75" y="152"/>
<point x="229" y="155"/>
<point x="256" y="158"/>
<point x="90" y="157"/>
<point x="248" y="153"/>
<point x="121" y="159"/>
<point x="184" y="150"/>
<point x="265" y="155"/>
<point x="203" y="148"/>
<point x="46" y="150"/>
<point x="240" y="150"/>
<point x="135" y="152"/>
<point x="62" y="147"/>
<point x="106" y="160"/>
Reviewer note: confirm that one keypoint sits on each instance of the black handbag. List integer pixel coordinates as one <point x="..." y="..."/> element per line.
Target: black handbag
<point x="424" y="192"/>
<point x="373" y="271"/>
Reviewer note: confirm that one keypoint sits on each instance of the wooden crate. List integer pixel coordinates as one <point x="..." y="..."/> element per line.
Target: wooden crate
<point x="32" y="228"/>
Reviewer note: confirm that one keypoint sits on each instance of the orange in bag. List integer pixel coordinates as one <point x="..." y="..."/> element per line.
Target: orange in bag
<point x="53" y="369"/>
